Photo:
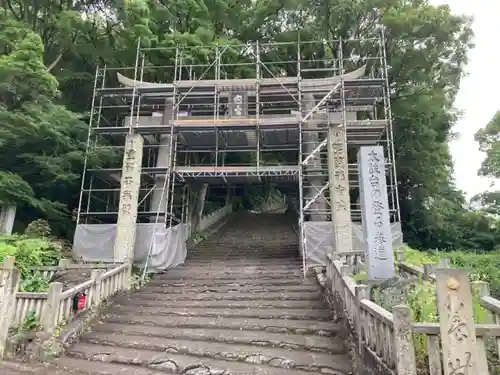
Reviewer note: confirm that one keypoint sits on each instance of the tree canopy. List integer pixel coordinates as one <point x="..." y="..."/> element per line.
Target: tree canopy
<point x="51" y="48"/>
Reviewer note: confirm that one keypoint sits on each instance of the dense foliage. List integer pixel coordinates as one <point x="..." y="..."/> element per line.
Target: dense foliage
<point x="50" y="50"/>
<point x="34" y="248"/>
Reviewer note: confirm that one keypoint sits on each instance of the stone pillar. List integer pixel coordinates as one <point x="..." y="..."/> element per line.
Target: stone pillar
<point x="159" y="196"/>
<point x="7" y="217"/>
<point x="461" y="353"/>
<point x="375" y="213"/>
<point x="339" y="189"/>
<point x="129" y="197"/>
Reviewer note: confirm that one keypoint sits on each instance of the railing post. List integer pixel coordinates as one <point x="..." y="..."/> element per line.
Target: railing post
<point x="403" y="341"/>
<point x="429" y="269"/>
<point x="345" y="270"/>
<point x="96" y="293"/>
<point x="51" y="311"/>
<point x="361" y="292"/>
<point x="482" y="289"/>
<point x="9" y="279"/>
<point x="444" y="263"/>
<point x="64" y="262"/>
<point x="128" y="277"/>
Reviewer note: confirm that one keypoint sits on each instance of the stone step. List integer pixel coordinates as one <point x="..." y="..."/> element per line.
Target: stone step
<point x="219" y="274"/>
<point x="240" y="257"/>
<point x="100" y="368"/>
<point x="140" y="360"/>
<point x="275" y="357"/>
<point x="169" y="280"/>
<point x="297" y="314"/>
<point x="323" y="344"/>
<point x="223" y="304"/>
<point x="17" y="368"/>
<point x="229" y="278"/>
<point x="211" y="296"/>
<point x="266" y="245"/>
<point x="264" y="248"/>
<point x="210" y="258"/>
<point x="256" y="258"/>
<point x="229" y="289"/>
<point x="235" y="267"/>
<point x="300" y="327"/>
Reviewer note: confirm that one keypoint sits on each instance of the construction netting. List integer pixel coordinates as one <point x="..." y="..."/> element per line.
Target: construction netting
<point x="319" y="240"/>
<point x="95" y="242"/>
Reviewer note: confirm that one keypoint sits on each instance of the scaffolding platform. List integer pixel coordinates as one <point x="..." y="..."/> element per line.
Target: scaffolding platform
<point x="214" y="116"/>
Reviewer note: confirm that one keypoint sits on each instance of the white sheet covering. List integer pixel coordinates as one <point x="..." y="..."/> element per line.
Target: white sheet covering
<point x="94" y="242"/>
<point x="319" y="240"/>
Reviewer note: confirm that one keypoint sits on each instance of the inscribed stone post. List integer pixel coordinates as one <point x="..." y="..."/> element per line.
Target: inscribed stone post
<point x="7" y="218"/>
<point x="375" y="212"/>
<point x="129" y="197"/>
<point x="339" y="188"/>
<point x="457" y="329"/>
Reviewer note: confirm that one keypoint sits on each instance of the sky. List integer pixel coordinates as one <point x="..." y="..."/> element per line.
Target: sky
<point x="478" y="96"/>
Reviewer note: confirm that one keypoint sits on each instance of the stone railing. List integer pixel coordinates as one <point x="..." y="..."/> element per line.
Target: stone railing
<point x="388" y="339"/>
<point x="214" y="217"/>
<point x="56" y="307"/>
<point x="376" y="330"/>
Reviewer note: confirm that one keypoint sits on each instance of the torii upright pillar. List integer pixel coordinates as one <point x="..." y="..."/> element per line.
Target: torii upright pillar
<point x="159" y="195"/>
<point x="339" y="188"/>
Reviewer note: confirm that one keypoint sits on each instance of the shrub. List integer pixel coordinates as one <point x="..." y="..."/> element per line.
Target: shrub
<point x="30" y="251"/>
<point x="35" y="282"/>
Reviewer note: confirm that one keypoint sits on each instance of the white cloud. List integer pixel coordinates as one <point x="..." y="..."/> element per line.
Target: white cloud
<point x="478" y="93"/>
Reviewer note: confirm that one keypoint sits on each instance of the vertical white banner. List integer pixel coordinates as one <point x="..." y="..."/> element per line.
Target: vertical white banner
<point x="375" y="212"/>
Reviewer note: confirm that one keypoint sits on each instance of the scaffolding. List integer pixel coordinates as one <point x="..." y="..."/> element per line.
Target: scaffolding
<point x="231" y="115"/>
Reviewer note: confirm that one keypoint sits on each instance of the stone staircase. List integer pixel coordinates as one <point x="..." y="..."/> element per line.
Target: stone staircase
<point x="240" y="306"/>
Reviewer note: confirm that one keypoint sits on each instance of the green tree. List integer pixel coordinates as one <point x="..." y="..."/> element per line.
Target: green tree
<point x="41" y="140"/>
<point x="51" y="51"/>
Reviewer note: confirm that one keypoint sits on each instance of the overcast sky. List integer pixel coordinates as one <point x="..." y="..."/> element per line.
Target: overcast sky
<point x="478" y="93"/>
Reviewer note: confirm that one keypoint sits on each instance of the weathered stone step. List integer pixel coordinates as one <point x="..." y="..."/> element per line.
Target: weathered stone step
<point x="264" y="249"/>
<point x="211" y="258"/>
<point x="209" y="296"/>
<point x="171" y="281"/>
<point x="275" y="357"/>
<point x="234" y="269"/>
<point x="280" y="340"/>
<point x="100" y="368"/>
<point x="167" y="278"/>
<point x="17" y="368"/>
<point x="264" y="252"/>
<point x="300" y="327"/>
<point x="237" y="264"/>
<point x="172" y="363"/>
<point x="224" y="304"/>
<point x="233" y="274"/>
<point x="230" y="289"/>
<point x="237" y="313"/>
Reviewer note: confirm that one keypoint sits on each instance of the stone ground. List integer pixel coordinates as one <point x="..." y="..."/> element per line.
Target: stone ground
<point x="240" y="306"/>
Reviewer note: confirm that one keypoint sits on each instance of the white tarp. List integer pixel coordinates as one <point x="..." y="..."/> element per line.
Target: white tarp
<point x="94" y="243"/>
<point x="319" y="240"/>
